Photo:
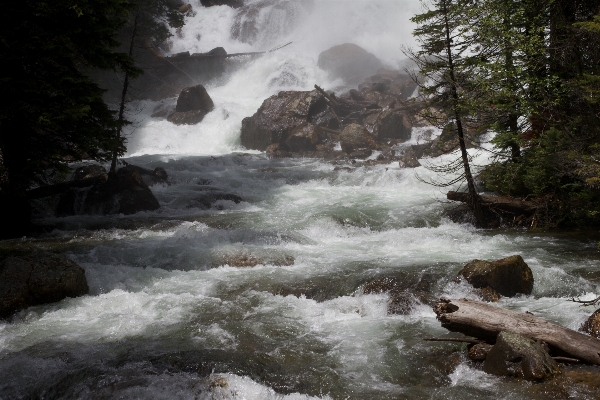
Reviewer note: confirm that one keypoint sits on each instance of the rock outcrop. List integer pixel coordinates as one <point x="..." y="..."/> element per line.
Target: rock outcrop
<point x="350" y="62"/>
<point x="193" y="104"/>
<point x="33" y="278"/>
<point x="516" y="355"/>
<point x="508" y="276"/>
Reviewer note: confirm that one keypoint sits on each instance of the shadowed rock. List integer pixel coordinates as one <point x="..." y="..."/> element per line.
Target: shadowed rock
<point x="38" y="278"/>
<point x="516" y="355"/>
<point x="350" y="62"/>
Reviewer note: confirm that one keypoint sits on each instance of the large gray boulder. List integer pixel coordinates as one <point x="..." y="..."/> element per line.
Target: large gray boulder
<point x="279" y="116"/>
<point x="508" y="276"/>
<point x="516" y="355"/>
<point x="350" y="62"/>
<point x="40" y="277"/>
<point x="193" y="104"/>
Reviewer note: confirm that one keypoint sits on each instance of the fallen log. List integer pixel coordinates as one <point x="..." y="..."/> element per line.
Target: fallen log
<point x="484" y="321"/>
<point x="502" y="203"/>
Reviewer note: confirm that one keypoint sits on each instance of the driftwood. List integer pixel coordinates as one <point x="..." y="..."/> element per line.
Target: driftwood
<point x="483" y="321"/>
<point x="501" y="203"/>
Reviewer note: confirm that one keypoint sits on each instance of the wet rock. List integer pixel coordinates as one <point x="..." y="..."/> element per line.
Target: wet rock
<point x="152" y="177"/>
<point x="404" y="294"/>
<point x="508" y="276"/>
<point x="488" y="294"/>
<point x="361" y="154"/>
<point x="391" y="82"/>
<point x="392" y="124"/>
<point x="125" y="192"/>
<point x="208" y="198"/>
<point x="592" y="325"/>
<point x="193" y="104"/>
<point x="279" y="116"/>
<point x="350" y="62"/>
<point x="39" y="277"/>
<point x="479" y="351"/>
<point x="516" y="355"/>
<point x="356" y="137"/>
<point x="303" y="138"/>
<point x="409" y="159"/>
<point x="249" y="260"/>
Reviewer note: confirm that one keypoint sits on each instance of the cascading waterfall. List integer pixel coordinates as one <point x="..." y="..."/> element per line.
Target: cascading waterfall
<point x="169" y="317"/>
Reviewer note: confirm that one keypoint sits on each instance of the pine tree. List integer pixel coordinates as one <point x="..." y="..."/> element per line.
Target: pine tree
<point x="445" y="67"/>
<point x="51" y="112"/>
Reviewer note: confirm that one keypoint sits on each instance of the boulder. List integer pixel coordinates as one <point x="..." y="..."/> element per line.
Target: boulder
<point x="392" y="124"/>
<point x="39" y="277"/>
<point x="516" y="355"/>
<point x="125" y="192"/>
<point x="356" y="137"/>
<point x="507" y="276"/>
<point x="479" y="351"/>
<point x="303" y="138"/>
<point x="405" y="293"/>
<point x="409" y="159"/>
<point x="391" y="82"/>
<point x="279" y="116"/>
<point x="193" y="104"/>
<point x="350" y="62"/>
<point x="592" y="325"/>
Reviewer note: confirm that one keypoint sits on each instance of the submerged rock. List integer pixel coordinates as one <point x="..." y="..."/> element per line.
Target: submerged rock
<point x="38" y="278"/>
<point x="193" y="104"/>
<point x="508" y="276"/>
<point x="230" y="3"/>
<point x="592" y="325"/>
<point x="350" y="62"/>
<point x="516" y="355"/>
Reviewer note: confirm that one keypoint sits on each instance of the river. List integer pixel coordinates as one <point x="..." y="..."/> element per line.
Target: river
<point x="168" y="317"/>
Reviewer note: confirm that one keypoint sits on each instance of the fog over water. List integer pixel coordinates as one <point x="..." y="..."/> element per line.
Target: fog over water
<point x="168" y="317"/>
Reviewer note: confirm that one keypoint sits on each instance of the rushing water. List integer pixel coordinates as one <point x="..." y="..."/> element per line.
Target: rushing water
<point x="168" y="317"/>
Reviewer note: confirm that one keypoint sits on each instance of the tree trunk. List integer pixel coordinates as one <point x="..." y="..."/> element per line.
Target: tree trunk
<point x="484" y="321"/>
<point x="121" y="120"/>
<point x="474" y="202"/>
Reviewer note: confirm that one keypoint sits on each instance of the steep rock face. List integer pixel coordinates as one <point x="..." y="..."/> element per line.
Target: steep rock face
<point x="279" y="116"/>
<point x="38" y="278"/>
<point x="516" y="355"/>
<point x="350" y="62"/>
<point x="193" y="104"/>
<point x="507" y="276"/>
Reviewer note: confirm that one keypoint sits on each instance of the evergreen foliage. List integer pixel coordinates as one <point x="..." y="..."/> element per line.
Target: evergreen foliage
<point x="529" y="71"/>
